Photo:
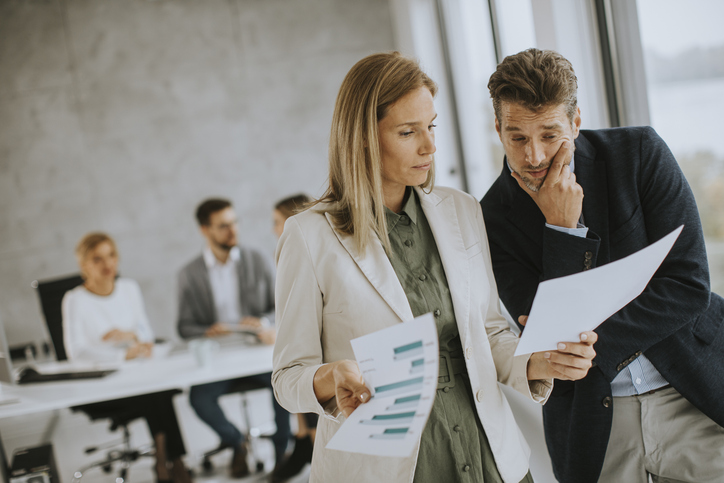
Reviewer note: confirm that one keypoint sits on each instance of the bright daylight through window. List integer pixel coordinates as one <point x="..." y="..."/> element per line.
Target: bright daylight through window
<point x="683" y="46"/>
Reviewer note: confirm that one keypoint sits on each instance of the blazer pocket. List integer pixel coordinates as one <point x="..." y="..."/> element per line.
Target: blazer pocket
<point x="474" y="250"/>
<point x="627" y="228"/>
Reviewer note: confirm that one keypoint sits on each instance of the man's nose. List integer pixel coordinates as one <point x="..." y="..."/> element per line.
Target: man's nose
<point x="535" y="154"/>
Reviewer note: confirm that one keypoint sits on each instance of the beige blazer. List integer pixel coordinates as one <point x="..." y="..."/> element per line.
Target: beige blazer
<point x="327" y="294"/>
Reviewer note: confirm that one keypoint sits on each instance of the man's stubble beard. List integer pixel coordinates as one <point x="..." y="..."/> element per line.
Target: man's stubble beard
<point x="224" y="246"/>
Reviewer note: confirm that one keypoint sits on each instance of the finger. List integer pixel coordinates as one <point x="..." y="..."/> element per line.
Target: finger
<point x="568" y="373"/>
<point x="346" y="403"/>
<point x="522" y="184"/>
<point x="578" y="349"/>
<point x="589" y="337"/>
<point x="566" y="173"/>
<point x="562" y="360"/>
<point x="363" y="395"/>
<point x="560" y="160"/>
<point x="523" y="319"/>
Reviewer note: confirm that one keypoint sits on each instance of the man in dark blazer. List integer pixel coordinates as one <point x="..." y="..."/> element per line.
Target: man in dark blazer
<point x="569" y="200"/>
<point x="224" y="287"/>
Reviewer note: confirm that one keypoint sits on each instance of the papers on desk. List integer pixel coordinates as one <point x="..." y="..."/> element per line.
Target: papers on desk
<point x="400" y="366"/>
<point x="564" y="307"/>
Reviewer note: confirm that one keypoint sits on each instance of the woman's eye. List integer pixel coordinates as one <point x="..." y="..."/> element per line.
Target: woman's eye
<point x="405" y="133"/>
<point x="432" y="126"/>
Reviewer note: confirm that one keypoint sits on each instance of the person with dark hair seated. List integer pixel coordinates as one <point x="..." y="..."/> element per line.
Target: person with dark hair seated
<point x="227" y="287"/>
<point x="104" y="321"/>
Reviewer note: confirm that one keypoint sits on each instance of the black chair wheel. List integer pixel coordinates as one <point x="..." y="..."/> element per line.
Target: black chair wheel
<point x="259" y="466"/>
<point x="207" y="465"/>
<point x="107" y="468"/>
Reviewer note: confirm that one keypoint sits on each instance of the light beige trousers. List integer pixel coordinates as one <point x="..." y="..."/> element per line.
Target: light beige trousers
<point x="664" y="437"/>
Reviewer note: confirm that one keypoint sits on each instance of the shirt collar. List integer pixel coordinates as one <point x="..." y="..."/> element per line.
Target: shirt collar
<point x="211" y="261"/>
<point x="572" y="165"/>
<point x="409" y="208"/>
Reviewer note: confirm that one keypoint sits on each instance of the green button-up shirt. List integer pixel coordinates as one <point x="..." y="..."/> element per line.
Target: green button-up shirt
<point x="454" y="447"/>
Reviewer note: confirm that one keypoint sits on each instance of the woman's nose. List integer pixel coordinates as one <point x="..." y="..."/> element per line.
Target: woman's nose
<point x="428" y="145"/>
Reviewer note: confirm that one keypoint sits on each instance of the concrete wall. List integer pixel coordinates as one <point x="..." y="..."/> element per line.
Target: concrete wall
<point x="121" y="115"/>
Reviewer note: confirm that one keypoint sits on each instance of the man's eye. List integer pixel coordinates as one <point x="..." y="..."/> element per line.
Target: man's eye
<point x="432" y="126"/>
<point x="406" y="133"/>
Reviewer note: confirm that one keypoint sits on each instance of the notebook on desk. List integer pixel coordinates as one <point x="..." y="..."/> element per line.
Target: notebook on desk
<point x="62" y="371"/>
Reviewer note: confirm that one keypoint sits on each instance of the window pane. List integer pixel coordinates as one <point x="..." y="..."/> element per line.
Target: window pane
<point x="683" y="46"/>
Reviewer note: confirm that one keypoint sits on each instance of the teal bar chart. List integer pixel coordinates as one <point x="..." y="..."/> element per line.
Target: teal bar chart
<point x="400" y="367"/>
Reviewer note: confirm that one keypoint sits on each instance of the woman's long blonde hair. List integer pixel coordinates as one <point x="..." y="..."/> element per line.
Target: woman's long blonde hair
<point x="356" y="201"/>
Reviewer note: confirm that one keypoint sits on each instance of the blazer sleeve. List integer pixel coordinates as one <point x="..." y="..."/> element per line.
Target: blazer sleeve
<point x="679" y="290"/>
<point x="188" y="324"/>
<point x="298" y="352"/>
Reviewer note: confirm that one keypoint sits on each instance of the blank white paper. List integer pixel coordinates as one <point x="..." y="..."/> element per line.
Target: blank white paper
<point x="564" y="307"/>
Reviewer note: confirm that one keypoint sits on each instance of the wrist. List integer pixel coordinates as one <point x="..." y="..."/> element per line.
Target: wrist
<point x="563" y="223"/>
<point x="537" y="367"/>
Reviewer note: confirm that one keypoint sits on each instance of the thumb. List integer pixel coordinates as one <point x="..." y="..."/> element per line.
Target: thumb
<point x="522" y="320"/>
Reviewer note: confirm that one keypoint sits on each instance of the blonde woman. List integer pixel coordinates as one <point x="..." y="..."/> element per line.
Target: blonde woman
<point x="104" y="320"/>
<point x="384" y="245"/>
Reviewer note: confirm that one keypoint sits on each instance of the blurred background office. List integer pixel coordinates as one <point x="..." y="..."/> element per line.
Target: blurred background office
<point x="119" y="115"/>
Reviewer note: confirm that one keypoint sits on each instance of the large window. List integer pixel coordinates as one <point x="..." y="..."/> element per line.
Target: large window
<point x="683" y="46"/>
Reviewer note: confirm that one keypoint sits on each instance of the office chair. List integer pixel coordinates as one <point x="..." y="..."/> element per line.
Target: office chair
<point x="251" y="433"/>
<point x="51" y="294"/>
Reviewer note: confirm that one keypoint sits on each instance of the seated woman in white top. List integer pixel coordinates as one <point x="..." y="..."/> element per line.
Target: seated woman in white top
<point x="104" y="320"/>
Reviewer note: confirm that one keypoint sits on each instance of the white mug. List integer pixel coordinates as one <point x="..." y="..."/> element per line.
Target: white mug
<point x="203" y="350"/>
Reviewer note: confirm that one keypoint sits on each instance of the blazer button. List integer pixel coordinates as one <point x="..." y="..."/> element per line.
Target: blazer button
<point x="466" y="468"/>
<point x="607" y="401"/>
<point x="436" y="313"/>
<point x="588" y="255"/>
<point x="457" y="428"/>
<point x="423" y="277"/>
<point x="587" y="264"/>
<point x="408" y="243"/>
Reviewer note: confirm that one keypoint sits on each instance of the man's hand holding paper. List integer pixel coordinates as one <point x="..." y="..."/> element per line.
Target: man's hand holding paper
<point x="570" y="362"/>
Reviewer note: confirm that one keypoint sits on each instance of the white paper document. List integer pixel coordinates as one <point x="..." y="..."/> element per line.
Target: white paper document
<point x="400" y="367"/>
<point x="564" y="307"/>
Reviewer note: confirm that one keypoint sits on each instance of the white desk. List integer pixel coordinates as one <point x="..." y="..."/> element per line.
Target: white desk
<point x="176" y="371"/>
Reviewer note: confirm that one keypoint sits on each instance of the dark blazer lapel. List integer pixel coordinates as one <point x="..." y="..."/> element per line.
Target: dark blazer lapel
<point x="444" y="222"/>
<point x="592" y="178"/>
<point x="376" y="266"/>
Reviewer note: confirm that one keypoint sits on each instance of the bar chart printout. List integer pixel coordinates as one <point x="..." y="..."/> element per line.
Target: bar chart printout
<point x="400" y="366"/>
